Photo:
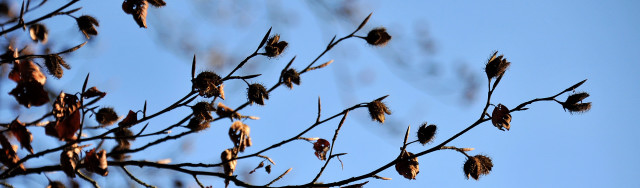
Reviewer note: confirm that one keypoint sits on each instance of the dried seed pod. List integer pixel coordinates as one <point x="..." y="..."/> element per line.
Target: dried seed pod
<point x="87" y="24"/>
<point x="378" y="37"/>
<point x="291" y="77"/>
<point x="476" y="166"/>
<point x="426" y="133"/>
<point x="274" y="46"/>
<point x="496" y="66"/>
<point x="377" y="109"/>
<point x="208" y="84"/>
<point x="407" y="166"/>
<point x="574" y="103"/>
<point x="202" y="110"/>
<point x="501" y="117"/>
<point x="257" y="93"/>
<point x="197" y="124"/>
<point x="106" y="116"/>
<point x="38" y="33"/>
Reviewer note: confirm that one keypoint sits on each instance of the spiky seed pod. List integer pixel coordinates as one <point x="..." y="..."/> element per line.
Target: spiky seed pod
<point x="378" y="37"/>
<point x="291" y="77"/>
<point x="574" y="103"/>
<point x="496" y="65"/>
<point x="38" y="33"/>
<point x="106" y="116"/>
<point x="476" y="166"/>
<point x="578" y="97"/>
<point x="202" y="110"/>
<point x="54" y="64"/>
<point x="501" y="117"/>
<point x="426" y="133"/>
<point x="197" y="124"/>
<point x="87" y="24"/>
<point x="257" y="93"/>
<point x="207" y="84"/>
<point x="274" y="46"/>
<point x="377" y="109"/>
<point x="407" y="166"/>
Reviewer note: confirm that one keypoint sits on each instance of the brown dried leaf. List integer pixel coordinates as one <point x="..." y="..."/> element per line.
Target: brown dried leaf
<point x="96" y="162"/>
<point x="140" y="13"/>
<point x="30" y="93"/>
<point x="229" y="166"/>
<point x="8" y="155"/>
<point x="224" y="111"/>
<point x="157" y="3"/>
<point x="20" y="131"/>
<point x="131" y="118"/>
<point x="67" y="127"/>
<point x="239" y="135"/>
<point x="321" y="148"/>
<point x="69" y="160"/>
<point x="25" y="71"/>
<point x="93" y="92"/>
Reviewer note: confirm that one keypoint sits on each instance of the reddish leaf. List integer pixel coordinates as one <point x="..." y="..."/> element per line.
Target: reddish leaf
<point x="321" y="147"/>
<point x="20" y="131"/>
<point x="67" y="127"/>
<point x="30" y="93"/>
<point x="93" y="92"/>
<point x="128" y="121"/>
<point x="25" y="71"/>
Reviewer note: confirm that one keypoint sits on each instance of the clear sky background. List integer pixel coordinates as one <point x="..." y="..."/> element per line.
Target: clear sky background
<point x="552" y="45"/>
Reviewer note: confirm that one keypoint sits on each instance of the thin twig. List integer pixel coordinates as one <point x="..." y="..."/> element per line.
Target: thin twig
<point x="278" y="178"/>
<point x="198" y="181"/>
<point x="87" y="178"/>
<point x="136" y="179"/>
<point x="335" y="136"/>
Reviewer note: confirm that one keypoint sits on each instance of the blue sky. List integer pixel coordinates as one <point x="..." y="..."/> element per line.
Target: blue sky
<point x="552" y="45"/>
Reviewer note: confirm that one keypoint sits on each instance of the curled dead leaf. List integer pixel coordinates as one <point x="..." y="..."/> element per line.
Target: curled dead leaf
<point x="96" y="162"/>
<point x="22" y="134"/>
<point x="321" y="148"/>
<point x="128" y="121"/>
<point x="239" y="135"/>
